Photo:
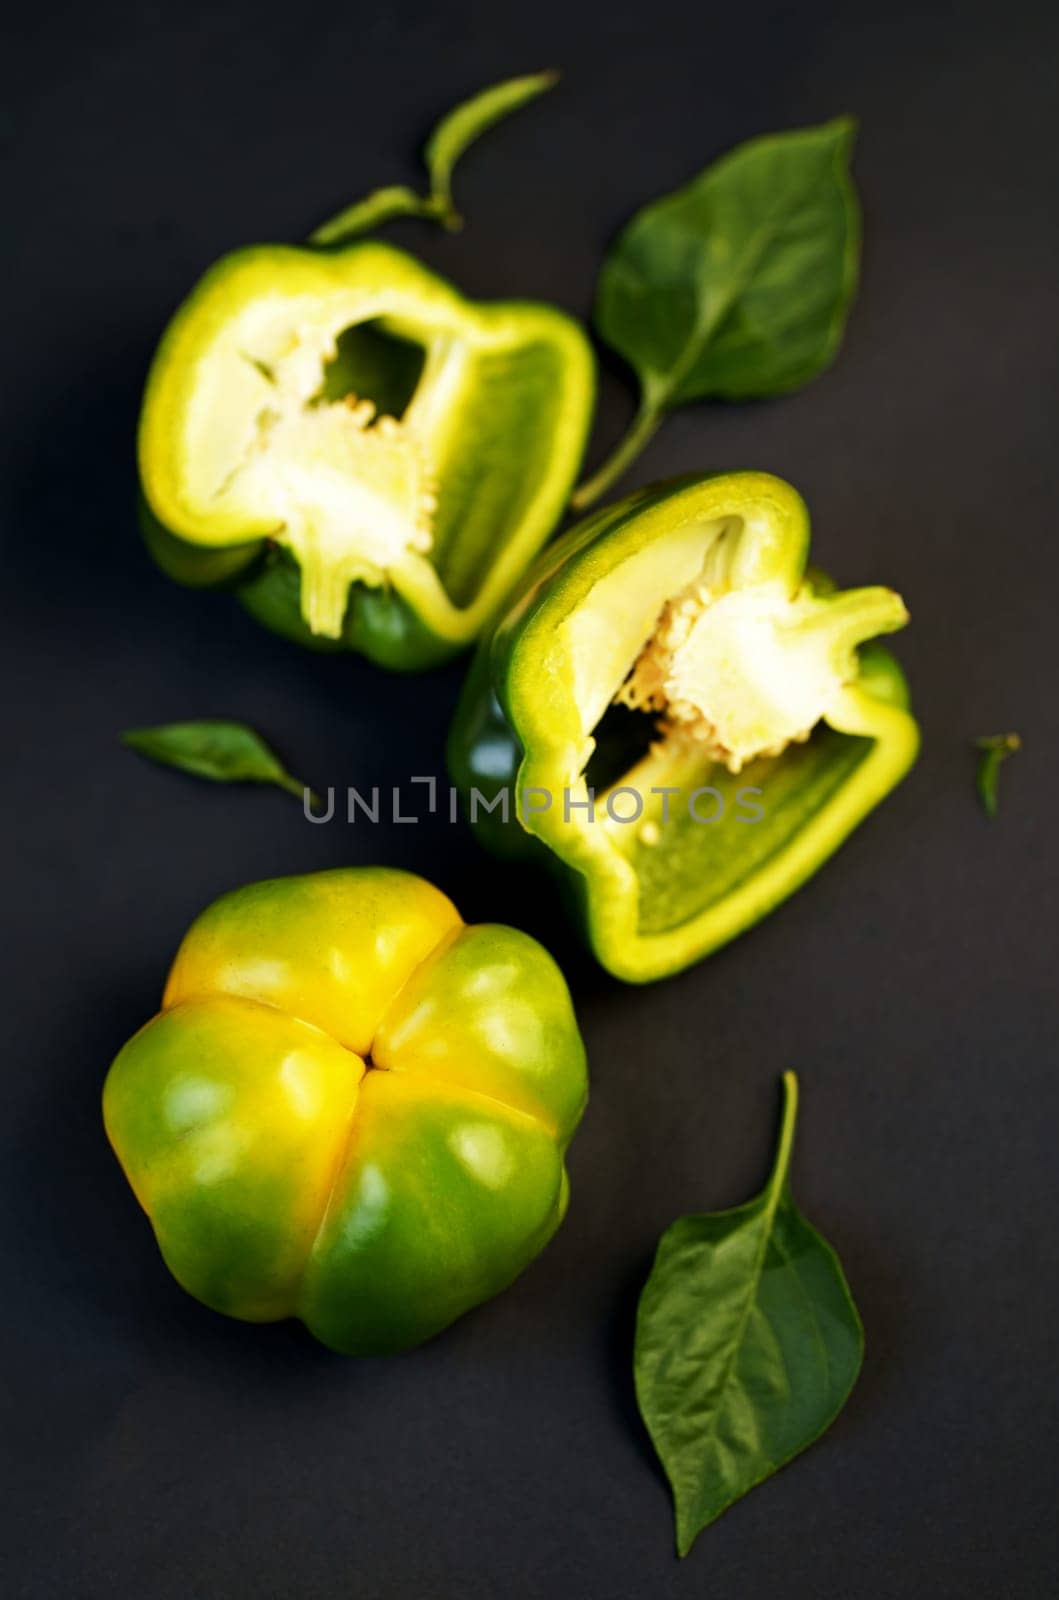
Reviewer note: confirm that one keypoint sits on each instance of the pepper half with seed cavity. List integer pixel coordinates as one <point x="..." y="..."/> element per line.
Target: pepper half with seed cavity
<point x="369" y="458"/>
<point x="681" y="718"/>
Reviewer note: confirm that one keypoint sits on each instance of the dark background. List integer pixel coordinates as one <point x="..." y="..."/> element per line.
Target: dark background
<point x="156" y="1451"/>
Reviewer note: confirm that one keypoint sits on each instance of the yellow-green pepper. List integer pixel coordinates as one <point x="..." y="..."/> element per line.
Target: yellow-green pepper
<point x="352" y="1108"/>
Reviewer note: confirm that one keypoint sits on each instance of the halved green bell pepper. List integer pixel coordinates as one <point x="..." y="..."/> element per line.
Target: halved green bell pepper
<point x="369" y="458"/>
<point x="681" y="718"/>
<point x="351" y="1107"/>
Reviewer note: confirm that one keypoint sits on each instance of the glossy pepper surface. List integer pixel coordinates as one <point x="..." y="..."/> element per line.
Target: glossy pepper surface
<point x="351" y="1108"/>
<point x="684" y="720"/>
<point x="370" y="459"/>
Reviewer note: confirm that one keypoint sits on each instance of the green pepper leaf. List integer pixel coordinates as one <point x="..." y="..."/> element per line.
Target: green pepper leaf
<point x="447" y="142"/>
<point x="994" y="750"/>
<point x="224" y="752"/>
<point x="735" y="286"/>
<point x="382" y="205"/>
<point x="747" y="1344"/>
<point x="457" y="131"/>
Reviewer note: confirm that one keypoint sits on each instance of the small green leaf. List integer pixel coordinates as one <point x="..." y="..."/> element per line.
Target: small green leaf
<point x="382" y="205"/>
<point x="466" y="123"/>
<point x="225" y="752"/>
<point x="735" y="286"/>
<point x="747" y="1344"/>
<point x="994" y="750"/>
<point x="449" y="139"/>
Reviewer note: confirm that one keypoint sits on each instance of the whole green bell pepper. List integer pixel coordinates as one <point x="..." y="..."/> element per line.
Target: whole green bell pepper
<point x="369" y="458"/>
<point x="680" y="718"/>
<point x="351" y="1108"/>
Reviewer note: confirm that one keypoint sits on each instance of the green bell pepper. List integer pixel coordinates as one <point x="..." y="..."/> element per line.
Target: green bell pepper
<point x="368" y="458"/>
<point x="351" y="1108"/>
<point x="680" y="718"/>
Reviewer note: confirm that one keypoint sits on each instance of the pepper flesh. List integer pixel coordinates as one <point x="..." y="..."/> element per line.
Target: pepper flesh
<point x="351" y="1108"/>
<point x="690" y="603"/>
<point x="376" y="457"/>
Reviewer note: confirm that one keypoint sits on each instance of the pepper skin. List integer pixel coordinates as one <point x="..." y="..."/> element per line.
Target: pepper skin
<point x="369" y="459"/>
<point x="351" y="1108"/>
<point x="676" y="641"/>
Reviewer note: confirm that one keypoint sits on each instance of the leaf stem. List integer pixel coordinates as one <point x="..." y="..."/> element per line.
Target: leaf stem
<point x="640" y="431"/>
<point x="994" y="750"/>
<point x="785" y="1143"/>
<point x="299" y="790"/>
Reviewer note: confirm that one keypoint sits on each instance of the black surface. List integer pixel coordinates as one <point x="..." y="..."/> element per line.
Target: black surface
<point x="156" y="1451"/>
